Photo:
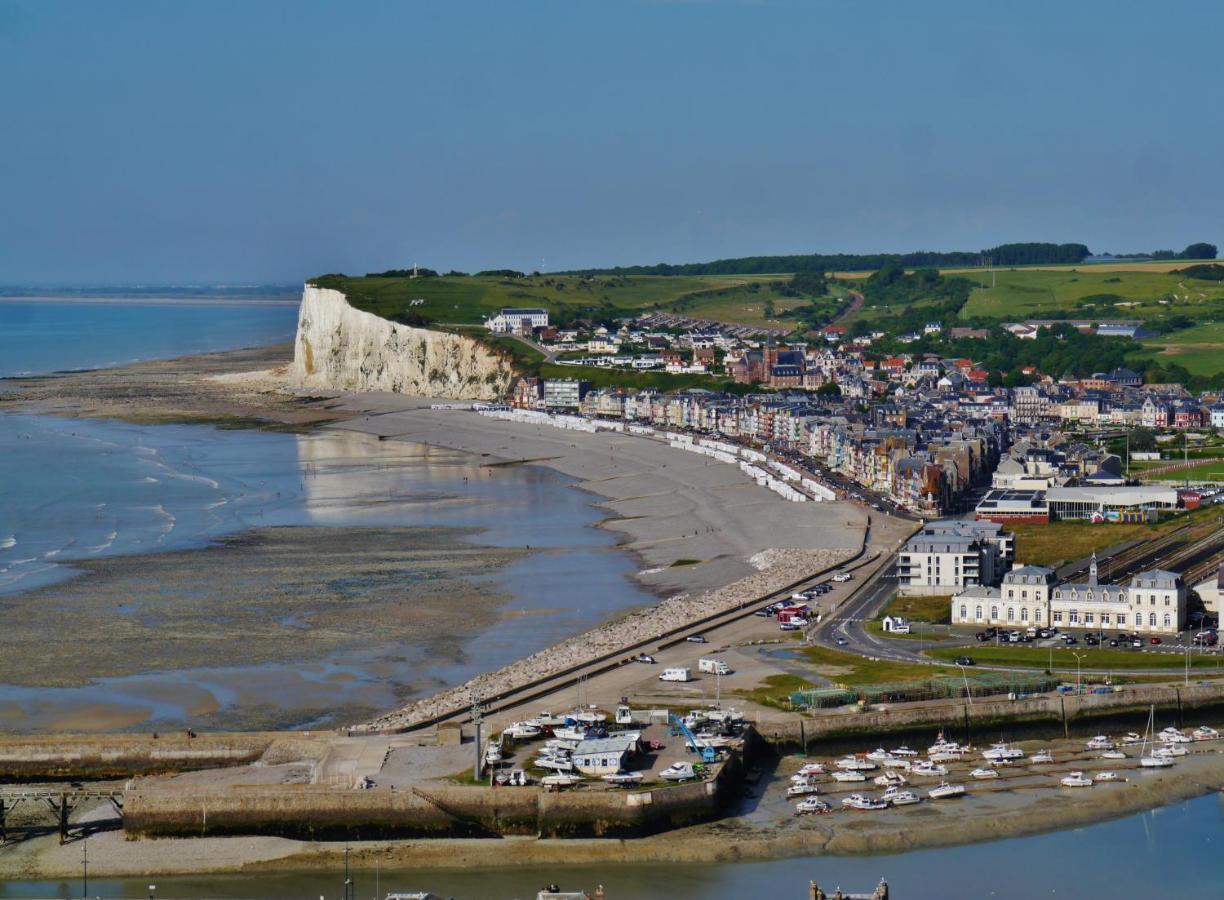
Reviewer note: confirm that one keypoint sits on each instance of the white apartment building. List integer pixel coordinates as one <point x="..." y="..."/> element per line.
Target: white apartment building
<point x="950" y="555"/>
<point x="517" y="320"/>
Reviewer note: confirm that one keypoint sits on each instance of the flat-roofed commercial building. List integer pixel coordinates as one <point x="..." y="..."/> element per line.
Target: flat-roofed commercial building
<point x="1009" y="505"/>
<point x="1109" y="502"/>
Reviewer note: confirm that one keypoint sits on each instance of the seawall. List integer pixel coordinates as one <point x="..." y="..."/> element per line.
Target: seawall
<point x="92" y="757"/>
<point x="434" y="810"/>
<point x="340" y="348"/>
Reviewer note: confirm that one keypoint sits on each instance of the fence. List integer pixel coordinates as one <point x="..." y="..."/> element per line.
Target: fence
<point x="944" y="687"/>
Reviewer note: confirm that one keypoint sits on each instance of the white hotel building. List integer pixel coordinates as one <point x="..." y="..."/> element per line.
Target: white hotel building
<point x="1153" y="603"/>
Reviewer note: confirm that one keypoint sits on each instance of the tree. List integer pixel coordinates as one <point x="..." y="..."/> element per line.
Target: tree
<point x="769" y="308"/>
<point x="829" y="389"/>
<point x="1200" y="250"/>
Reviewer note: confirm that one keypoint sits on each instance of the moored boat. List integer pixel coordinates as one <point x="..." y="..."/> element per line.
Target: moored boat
<point x="624" y="778"/>
<point x="946" y="791"/>
<point x="897" y="797"/>
<point x="1113" y="754"/>
<point x="849" y="776"/>
<point x="812" y="805"/>
<point x="860" y="801"/>
<point x="1002" y="751"/>
<point x="802" y="789"/>
<point x="856" y="764"/>
<point x="890" y="779"/>
<point x="560" y="780"/>
<point x="1075" y="779"/>
<point x="1105" y="776"/>
<point x="1100" y="742"/>
<point x="1042" y="756"/>
<point x="1205" y="733"/>
<point x="928" y="769"/>
<point x="984" y="773"/>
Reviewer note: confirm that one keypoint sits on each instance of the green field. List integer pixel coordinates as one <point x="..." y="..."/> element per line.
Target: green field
<point x="919" y="609"/>
<point x="1210" y="471"/>
<point x="1200" y="350"/>
<point x="462" y="300"/>
<point x="1090" y="293"/>
<point x="1064" y="658"/>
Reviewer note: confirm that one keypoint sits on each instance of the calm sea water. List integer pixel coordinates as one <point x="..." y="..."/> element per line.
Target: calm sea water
<point x="1171" y="852"/>
<point x="50" y="334"/>
<point x="73" y="489"/>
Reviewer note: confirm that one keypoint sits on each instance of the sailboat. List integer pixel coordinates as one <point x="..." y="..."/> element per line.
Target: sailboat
<point x="1152" y="760"/>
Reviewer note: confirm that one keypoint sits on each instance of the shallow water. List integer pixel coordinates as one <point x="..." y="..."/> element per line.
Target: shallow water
<point x="80" y="489"/>
<point x="1169" y="852"/>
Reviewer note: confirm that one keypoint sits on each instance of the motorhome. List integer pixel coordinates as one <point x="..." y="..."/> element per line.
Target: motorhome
<point x="677" y="674"/>
<point x="713" y="666"/>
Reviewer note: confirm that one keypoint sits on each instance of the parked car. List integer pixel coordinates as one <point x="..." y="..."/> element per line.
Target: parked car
<point x="843" y="576"/>
<point x="1137" y="643"/>
<point x="982" y="636"/>
<point x="1092" y="640"/>
<point x="1113" y="642"/>
<point x="644" y="658"/>
<point x="697" y="639"/>
<point x="964" y="661"/>
<point x="1155" y="641"/>
<point x="1070" y="639"/>
<point x="841" y="642"/>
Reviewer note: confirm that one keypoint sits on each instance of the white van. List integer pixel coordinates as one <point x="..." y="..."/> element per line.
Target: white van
<point x="676" y="675"/>
<point x="713" y="666"/>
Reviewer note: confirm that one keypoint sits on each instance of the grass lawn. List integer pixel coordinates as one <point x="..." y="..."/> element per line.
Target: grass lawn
<point x="775" y="690"/>
<point x="1061" y="542"/>
<point x="936" y="610"/>
<point x="850" y="668"/>
<point x="1199" y="349"/>
<point x="876" y="627"/>
<point x="1209" y="471"/>
<point x="1064" y="658"/>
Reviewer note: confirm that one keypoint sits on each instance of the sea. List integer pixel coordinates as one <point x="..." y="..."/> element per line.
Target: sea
<point x="81" y="489"/>
<point x="75" y="489"/>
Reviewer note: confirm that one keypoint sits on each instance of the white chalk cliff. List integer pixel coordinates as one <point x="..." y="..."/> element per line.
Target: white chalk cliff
<point x="340" y="348"/>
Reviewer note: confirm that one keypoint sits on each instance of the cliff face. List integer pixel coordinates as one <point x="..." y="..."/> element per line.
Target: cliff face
<point x="345" y="349"/>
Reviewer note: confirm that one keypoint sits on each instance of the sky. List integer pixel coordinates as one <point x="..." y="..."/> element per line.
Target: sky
<point x="237" y="142"/>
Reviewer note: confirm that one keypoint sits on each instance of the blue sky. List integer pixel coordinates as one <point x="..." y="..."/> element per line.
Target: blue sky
<point x="248" y="141"/>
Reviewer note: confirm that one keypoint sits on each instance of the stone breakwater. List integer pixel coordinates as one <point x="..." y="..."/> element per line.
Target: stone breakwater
<point x="778" y="568"/>
<point x="339" y="348"/>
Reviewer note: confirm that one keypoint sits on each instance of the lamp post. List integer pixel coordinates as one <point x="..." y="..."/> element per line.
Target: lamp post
<point x="1078" y="659"/>
<point x="968" y="693"/>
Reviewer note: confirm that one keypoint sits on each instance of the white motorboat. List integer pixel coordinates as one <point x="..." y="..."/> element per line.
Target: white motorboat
<point x="1171" y="750"/>
<point x="859" y="801"/>
<point x="518" y="778"/>
<point x="522" y="731"/>
<point x="856" y="764"/>
<point x="1171" y="735"/>
<point x="1113" y="754"/>
<point x="556" y="763"/>
<point x="1042" y="756"/>
<point x="1205" y="733"/>
<point x="904" y="751"/>
<point x="570" y="733"/>
<point x="678" y="771"/>
<point x="946" y="756"/>
<point x="946" y="791"/>
<point x="1153" y="760"/>
<point x="849" y="776"/>
<point x="802" y="790"/>
<point x="1100" y="742"/>
<point x="493" y="754"/>
<point x="890" y="779"/>
<point x="1132" y="737"/>
<point x="810" y="769"/>
<point x="1105" y="776"/>
<point x="812" y="805"/>
<point x="897" y="762"/>
<point x="1075" y="779"/>
<point x="624" y="778"/>
<point x="879" y="754"/>
<point x="556" y="745"/>
<point x="1002" y="751"/>
<point x="984" y="773"/>
<point x="561" y="780"/>
<point x="928" y="769"/>
<point x="587" y="716"/>
<point x="897" y="797"/>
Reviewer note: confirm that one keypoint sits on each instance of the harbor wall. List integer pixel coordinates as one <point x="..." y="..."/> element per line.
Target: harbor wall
<point x="25" y="758"/>
<point x="316" y="812"/>
<point x="1066" y="714"/>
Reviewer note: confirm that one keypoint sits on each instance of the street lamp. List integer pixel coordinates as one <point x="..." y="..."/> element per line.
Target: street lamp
<point x="968" y="693"/>
<point x="1078" y="659"/>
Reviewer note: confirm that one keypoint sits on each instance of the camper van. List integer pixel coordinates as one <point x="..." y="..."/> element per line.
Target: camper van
<point x="676" y="675"/>
<point x="713" y="666"/>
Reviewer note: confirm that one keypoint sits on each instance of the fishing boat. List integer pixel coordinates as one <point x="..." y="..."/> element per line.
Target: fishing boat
<point x="1100" y="742"/>
<point x="897" y="797"/>
<point x="928" y="769"/>
<point x="1105" y="776"/>
<point x="1205" y="733"/>
<point x="802" y="790"/>
<point x="1113" y="754"/>
<point x="812" y="805"/>
<point x="859" y="801"/>
<point x="984" y="773"/>
<point x="678" y="771"/>
<point x="560" y="780"/>
<point x="856" y="764"/>
<point x="1002" y="751"/>
<point x="1152" y="760"/>
<point x="879" y="754"/>
<point x="904" y="751"/>
<point x="946" y="791"/>
<point x="624" y="778"/>
<point x="1075" y="779"/>
<point x="849" y="776"/>
<point x="570" y="733"/>
<point x="493" y="754"/>
<point x="890" y="779"/>
<point x="1042" y="756"/>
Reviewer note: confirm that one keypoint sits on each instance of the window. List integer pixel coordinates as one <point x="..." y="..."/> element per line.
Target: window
<point x="1024" y="614"/>
<point x="1087" y="618"/>
<point x="1152" y="619"/>
<point x="977" y="613"/>
<point x="1010" y="593"/>
<point x="1057" y="617"/>
<point x="1167" y="602"/>
<point x="1011" y="613"/>
<point x="1037" y="615"/>
<point x="1073" y="617"/>
<point x="1153" y="599"/>
<point x="964" y="614"/>
<point x="1167" y="621"/>
<point x="1058" y="595"/>
<point x="1121" y="618"/>
<point x="994" y="612"/>
<point x="1104" y="618"/>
